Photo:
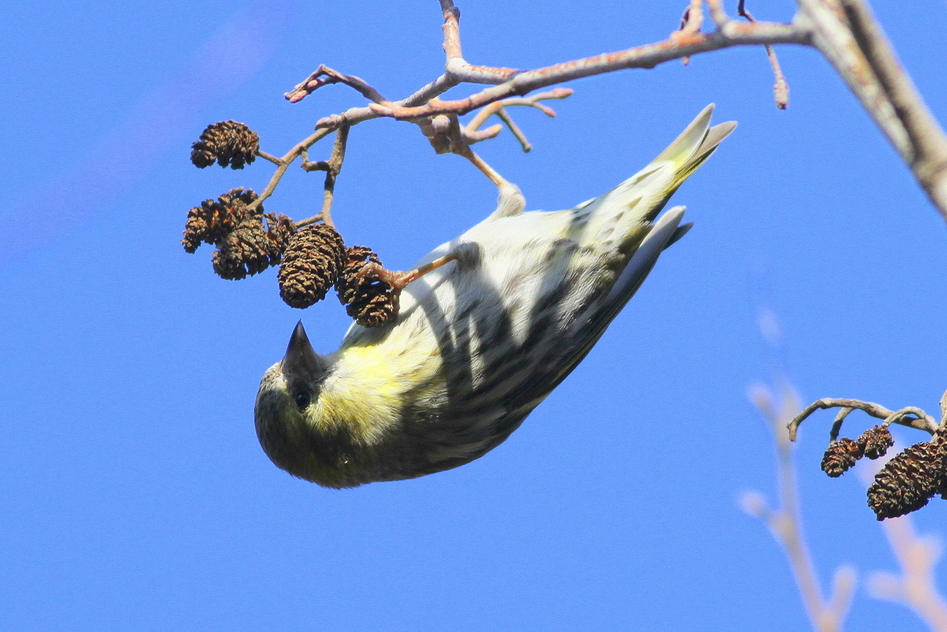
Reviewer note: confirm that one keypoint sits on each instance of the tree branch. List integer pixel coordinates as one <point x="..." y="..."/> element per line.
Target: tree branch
<point x="915" y="586"/>
<point x="851" y="39"/>
<point x="919" y="421"/>
<point x="647" y="56"/>
<point x="844" y="31"/>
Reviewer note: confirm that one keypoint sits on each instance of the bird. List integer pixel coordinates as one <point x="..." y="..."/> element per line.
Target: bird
<point x="479" y="341"/>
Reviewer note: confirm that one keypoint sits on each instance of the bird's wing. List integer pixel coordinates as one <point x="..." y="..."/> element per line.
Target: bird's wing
<point x="510" y="321"/>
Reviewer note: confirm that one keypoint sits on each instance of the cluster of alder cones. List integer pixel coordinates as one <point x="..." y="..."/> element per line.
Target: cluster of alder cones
<point x="311" y="259"/>
<point x="907" y="482"/>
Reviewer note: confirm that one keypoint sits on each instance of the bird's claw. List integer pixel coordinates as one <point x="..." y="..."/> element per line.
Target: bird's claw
<point x="397" y="279"/>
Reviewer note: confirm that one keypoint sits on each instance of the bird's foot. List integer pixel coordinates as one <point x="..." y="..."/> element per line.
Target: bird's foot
<point x="398" y="280"/>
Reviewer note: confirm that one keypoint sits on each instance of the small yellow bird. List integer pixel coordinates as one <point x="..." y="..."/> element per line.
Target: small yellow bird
<point x="480" y="341"/>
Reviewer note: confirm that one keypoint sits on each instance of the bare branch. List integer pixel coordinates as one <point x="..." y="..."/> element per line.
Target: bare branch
<point x="837" y="424"/>
<point x="647" y="56"/>
<point x="324" y="76"/>
<point x="457" y="68"/>
<point x="266" y="156"/>
<point x="780" y="87"/>
<point x="851" y="39"/>
<point x="915" y="587"/>
<point x="498" y="108"/>
<point x="692" y="20"/>
<point x="919" y="421"/>
<point x="919" y="125"/>
<point x="717" y="12"/>
<point x="917" y="555"/>
<point x="843" y="30"/>
<point x="284" y="163"/>
<point x="332" y="168"/>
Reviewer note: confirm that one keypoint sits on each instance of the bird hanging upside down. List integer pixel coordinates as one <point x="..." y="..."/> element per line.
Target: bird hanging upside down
<point x="479" y="341"/>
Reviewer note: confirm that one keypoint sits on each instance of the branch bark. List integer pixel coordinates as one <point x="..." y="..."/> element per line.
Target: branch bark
<point x="844" y="31"/>
<point x="850" y="38"/>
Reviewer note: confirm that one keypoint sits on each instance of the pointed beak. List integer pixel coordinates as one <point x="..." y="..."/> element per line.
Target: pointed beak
<point x="300" y="358"/>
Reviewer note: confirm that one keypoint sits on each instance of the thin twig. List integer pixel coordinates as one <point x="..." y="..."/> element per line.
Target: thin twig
<point x="309" y="220"/>
<point x="920" y="420"/>
<point x="451" y="30"/>
<point x="780" y="87"/>
<point x="504" y="116"/>
<point x="481" y="164"/>
<point x="837" y="423"/>
<point x="266" y="156"/>
<point x="691" y="22"/>
<point x="717" y="13"/>
<point x="332" y="167"/>
<point x="498" y="108"/>
<point x="324" y="76"/>
<point x="647" y="56"/>
<point x="456" y="67"/>
<point x="533" y="101"/>
<point x="284" y="163"/>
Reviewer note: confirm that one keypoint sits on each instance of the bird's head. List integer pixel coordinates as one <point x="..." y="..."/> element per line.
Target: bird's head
<point x="284" y="405"/>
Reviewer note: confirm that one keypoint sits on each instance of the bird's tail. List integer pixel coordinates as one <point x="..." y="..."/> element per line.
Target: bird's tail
<point x="694" y="145"/>
<point x="627" y="213"/>
<point x="646" y="192"/>
<point x="618" y="220"/>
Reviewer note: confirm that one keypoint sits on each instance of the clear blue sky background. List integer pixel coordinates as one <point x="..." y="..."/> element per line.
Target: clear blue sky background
<point x="133" y="493"/>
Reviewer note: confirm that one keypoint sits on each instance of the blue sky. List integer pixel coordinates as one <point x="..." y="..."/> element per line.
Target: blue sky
<point x="133" y="492"/>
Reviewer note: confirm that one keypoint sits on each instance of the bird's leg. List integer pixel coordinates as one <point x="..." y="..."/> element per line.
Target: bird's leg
<point x="446" y="136"/>
<point x="398" y="280"/>
<point x="480" y="164"/>
<point x="511" y="201"/>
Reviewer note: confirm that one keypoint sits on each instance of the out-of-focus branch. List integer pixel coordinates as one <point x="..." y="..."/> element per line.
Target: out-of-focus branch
<point x="915" y="586"/>
<point x="785" y="522"/>
<point x="918" y="555"/>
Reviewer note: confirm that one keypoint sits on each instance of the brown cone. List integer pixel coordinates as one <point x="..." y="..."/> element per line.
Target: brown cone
<point x="247" y="250"/>
<point x="908" y="481"/>
<point x="876" y="441"/>
<point x="311" y="264"/>
<point x="226" y="143"/>
<point x="214" y="220"/>
<point x="840" y="456"/>
<point x="369" y="300"/>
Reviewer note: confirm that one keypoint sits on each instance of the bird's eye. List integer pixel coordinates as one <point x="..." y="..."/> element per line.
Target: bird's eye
<point x="302" y="399"/>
